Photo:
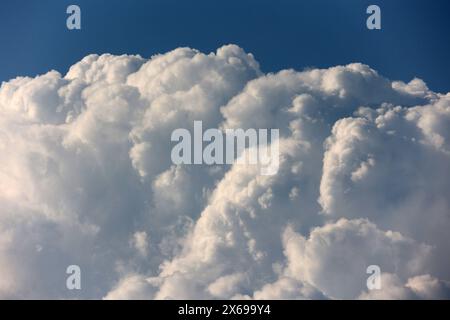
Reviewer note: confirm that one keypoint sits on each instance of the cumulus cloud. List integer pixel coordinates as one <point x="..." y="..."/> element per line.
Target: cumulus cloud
<point x="418" y="287"/>
<point x="86" y="178"/>
<point x="334" y="258"/>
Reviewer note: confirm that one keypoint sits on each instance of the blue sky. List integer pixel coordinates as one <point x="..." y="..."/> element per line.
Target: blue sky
<point x="87" y="176"/>
<point x="414" y="40"/>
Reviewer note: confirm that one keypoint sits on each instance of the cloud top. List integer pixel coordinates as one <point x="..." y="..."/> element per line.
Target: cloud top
<point x="86" y="179"/>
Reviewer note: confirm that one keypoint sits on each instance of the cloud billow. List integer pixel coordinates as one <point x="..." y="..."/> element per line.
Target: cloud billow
<point x="86" y="178"/>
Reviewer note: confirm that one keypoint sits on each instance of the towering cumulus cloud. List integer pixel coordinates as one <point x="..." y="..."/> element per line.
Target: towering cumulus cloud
<point x="86" y="178"/>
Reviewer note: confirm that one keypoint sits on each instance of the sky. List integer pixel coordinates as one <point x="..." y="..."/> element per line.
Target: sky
<point x="353" y="203"/>
<point x="281" y="34"/>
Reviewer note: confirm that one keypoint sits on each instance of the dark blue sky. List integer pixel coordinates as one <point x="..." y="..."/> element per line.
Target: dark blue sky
<point x="414" y="40"/>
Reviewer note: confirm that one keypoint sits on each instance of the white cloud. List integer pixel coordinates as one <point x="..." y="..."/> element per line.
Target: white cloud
<point x="139" y="241"/>
<point x="131" y="286"/>
<point x="418" y="287"/>
<point x="86" y="178"/>
<point x="334" y="258"/>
